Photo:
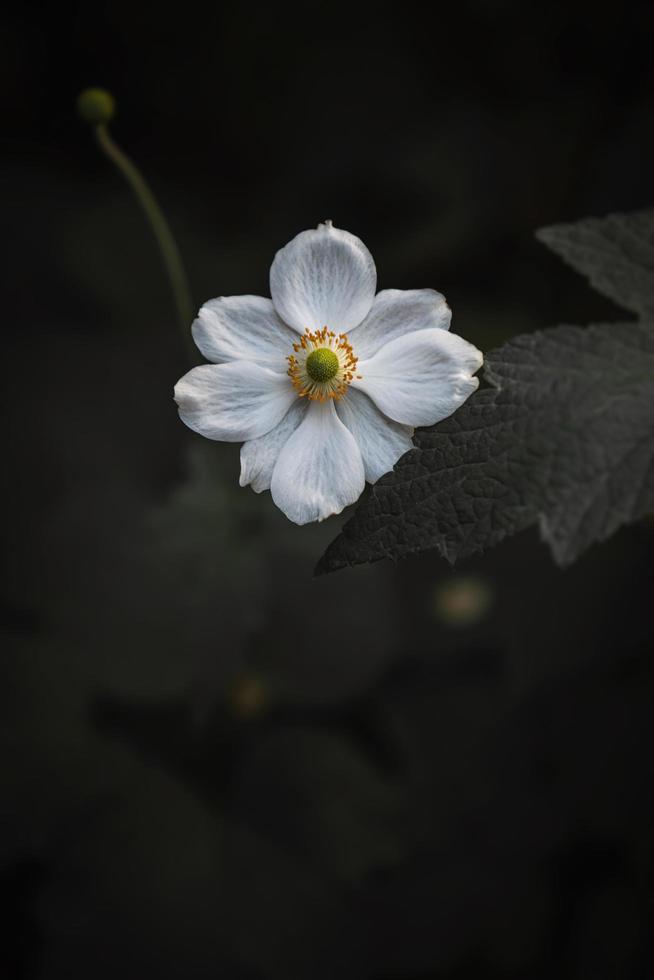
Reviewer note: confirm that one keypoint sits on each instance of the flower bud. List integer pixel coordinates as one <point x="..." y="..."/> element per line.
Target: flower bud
<point x="96" y="106"/>
<point x="248" y="696"/>
<point x="462" y="601"/>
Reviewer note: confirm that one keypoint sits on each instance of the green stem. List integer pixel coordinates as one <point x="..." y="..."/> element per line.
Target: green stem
<point x="160" y="227"/>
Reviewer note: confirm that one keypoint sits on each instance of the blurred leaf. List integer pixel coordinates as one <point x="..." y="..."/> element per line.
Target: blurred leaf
<point x="321" y="798"/>
<point x="616" y="253"/>
<point x="564" y="435"/>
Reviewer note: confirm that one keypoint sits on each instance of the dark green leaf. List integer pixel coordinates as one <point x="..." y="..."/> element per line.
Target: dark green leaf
<point x="564" y="436"/>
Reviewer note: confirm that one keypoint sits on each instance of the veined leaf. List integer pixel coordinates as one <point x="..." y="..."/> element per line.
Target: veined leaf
<point x="562" y="436"/>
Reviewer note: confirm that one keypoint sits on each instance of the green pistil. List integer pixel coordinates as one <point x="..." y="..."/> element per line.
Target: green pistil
<point x="322" y="364"/>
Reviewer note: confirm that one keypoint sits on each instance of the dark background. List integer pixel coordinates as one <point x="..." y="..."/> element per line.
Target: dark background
<point x="213" y="764"/>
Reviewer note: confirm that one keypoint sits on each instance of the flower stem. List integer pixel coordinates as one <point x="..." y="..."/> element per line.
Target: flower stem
<point x="160" y="228"/>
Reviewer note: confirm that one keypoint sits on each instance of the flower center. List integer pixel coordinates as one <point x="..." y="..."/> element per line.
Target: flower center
<point x="323" y="365"/>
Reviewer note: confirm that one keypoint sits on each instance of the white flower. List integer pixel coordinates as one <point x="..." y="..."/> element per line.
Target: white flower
<point x="324" y="383"/>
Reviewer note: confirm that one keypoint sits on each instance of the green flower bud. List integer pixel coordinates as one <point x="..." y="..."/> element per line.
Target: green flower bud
<point x="96" y="106"/>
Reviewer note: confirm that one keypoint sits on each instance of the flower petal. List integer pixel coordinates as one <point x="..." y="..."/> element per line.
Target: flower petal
<point x="396" y="312"/>
<point x="323" y="278"/>
<point x="380" y="440"/>
<point x="319" y="470"/>
<point x="422" y="377"/>
<point x="233" y="402"/>
<point x="258" y="456"/>
<point x="243" y="328"/>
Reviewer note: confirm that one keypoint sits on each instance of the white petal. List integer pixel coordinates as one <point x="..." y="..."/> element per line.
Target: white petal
<point x="422" y="377"/>
<point x="258" y="457"/>
<point x="380" y="440"/>
<point x="323" y="278"/>
<point x="233" y="402"/>
<point x="243" y="328"/>
<point x="319" y="470"/>
<point x="396" y="312"/>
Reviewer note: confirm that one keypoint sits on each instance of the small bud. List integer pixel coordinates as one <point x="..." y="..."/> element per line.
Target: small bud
<point x="462" y="601"/>
<point x="248" y="696"/>
<point x="96" y="106"/>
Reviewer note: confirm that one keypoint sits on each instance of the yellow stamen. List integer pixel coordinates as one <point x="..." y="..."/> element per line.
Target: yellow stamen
<point x="323" y="365"/>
